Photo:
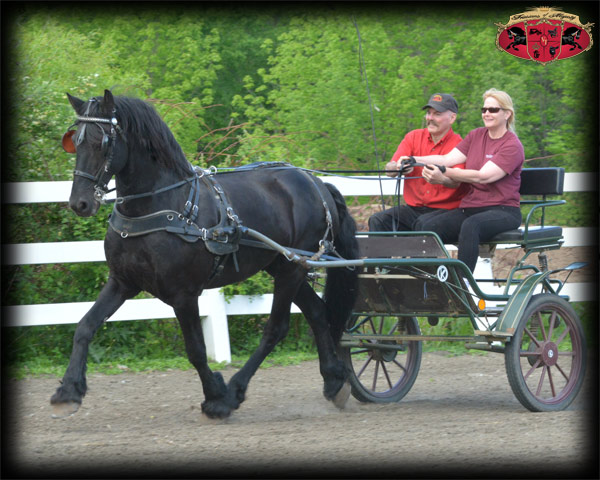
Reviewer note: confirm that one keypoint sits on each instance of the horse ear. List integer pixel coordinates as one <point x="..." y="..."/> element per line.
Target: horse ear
<point x="109" y="101"/>
<point x="75" y="102"/>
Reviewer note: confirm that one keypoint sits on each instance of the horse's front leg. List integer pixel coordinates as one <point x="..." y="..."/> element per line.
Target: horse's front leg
<point x="67" y="399"/>
<point x="213" y="385"/>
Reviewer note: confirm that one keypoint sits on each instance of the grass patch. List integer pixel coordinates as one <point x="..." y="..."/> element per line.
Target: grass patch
<point x="48" y="366"/>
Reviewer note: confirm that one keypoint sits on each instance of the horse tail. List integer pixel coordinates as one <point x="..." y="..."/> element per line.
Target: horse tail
<point x="341" y="287"/>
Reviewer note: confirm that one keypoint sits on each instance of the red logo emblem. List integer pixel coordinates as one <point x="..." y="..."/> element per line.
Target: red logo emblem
<point x="544" y="34"/>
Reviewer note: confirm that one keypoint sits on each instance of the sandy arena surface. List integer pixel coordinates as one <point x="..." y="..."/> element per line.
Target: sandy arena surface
<point x="460" y="419"/>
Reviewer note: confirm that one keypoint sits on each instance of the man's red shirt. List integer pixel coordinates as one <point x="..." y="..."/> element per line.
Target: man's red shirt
<point x="418" y="192"/>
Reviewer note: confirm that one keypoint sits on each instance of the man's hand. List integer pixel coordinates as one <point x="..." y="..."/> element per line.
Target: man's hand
<point x="391" y="169"/>
<point x="407" y="165"/>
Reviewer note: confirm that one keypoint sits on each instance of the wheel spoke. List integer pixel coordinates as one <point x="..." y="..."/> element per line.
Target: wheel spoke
<point x="402" y="367"/>
<point x="364" y="367"/>
<point x="377" y="362"/>
<point x="541" y="321"/>
<point x="532" y="336"/>
<point x="373" y="329"/>
<point x="551" y="382"/>
<point x="541" y="382"/>
<point x="387" y="376"/>
<point x="567" y="378"/>
<point x="533" y="368"/>
<point x="551" y="327"/>
<point x="563" y="335"/>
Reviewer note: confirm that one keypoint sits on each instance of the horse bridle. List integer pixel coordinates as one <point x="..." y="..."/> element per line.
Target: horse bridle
<point x="104" y="173"/>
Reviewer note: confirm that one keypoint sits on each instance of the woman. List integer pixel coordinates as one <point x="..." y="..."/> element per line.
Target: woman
<point x="493" y="158"/>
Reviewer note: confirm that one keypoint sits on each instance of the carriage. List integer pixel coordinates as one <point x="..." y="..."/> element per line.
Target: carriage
<point x="176" y="229"/>
<point x="411" y="277"/>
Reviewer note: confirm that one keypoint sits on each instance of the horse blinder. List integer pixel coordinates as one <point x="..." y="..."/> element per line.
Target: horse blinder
<point x="67" y="142"/>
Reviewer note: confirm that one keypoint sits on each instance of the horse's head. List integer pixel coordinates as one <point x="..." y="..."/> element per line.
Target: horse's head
<point x="101" y="151"/>
<point x="515" y="32"/>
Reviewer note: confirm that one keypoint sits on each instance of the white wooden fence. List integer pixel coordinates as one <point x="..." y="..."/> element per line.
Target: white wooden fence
<point x="213" y="307"/>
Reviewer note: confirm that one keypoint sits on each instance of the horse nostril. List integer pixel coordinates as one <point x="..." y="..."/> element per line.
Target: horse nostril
<point x="79" y="207"/>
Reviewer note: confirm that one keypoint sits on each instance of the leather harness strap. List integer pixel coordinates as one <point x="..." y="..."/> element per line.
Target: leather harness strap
<point x="221" y="239"/>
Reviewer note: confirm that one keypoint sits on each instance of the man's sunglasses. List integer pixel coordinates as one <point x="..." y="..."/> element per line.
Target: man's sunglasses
<point x="491" y="109"/>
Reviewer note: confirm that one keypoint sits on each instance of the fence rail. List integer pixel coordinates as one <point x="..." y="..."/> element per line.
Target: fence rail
<point x="214" y="308"/>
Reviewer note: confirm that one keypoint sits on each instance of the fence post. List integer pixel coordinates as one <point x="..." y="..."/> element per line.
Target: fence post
<point x="214" y="325"/>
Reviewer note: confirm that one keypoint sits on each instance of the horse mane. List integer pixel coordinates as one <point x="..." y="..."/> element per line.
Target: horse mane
<point x="143" y="126"/>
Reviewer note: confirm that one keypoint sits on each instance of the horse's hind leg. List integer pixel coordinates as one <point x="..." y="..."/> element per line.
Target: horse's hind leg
<point x="68" y="397"/>
<point x="275" y="330"/>
<point x="213" y="384"/>
<point x="336" y="386"/>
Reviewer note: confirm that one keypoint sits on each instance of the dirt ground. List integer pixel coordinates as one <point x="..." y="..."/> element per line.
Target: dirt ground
<point x="460" y="419"/>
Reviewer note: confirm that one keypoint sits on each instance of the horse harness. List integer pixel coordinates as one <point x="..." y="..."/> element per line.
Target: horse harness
<point x="222" y="240"/>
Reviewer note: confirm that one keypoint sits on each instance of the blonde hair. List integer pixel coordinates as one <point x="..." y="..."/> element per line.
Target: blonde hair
<point x="505" y="102"/>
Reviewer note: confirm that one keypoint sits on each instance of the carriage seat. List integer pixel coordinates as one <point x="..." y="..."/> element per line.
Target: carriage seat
<point x="538" y="182"/>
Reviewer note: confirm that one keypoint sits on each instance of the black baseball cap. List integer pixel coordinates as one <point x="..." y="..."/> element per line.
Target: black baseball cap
<point x="442" y="102"/>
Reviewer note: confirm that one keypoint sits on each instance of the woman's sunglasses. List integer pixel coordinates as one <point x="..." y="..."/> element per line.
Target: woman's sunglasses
<point x="491" y="109"/>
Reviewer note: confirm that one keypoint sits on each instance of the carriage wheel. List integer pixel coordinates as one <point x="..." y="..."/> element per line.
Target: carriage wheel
<point x="545" y="360"/>
<point x="383" y="375"/>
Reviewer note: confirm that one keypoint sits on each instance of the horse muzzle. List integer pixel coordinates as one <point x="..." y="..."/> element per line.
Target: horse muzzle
<point x="84" y="205"/>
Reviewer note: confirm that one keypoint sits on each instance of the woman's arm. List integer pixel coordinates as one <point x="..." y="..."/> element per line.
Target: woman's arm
<point x="489" y="173"/>
<point x="454" y="157"/>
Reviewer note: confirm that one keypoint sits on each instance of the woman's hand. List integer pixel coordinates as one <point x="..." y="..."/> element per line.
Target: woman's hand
<point x="433" y="174"/>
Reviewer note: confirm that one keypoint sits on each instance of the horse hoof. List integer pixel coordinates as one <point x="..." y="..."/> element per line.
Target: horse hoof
<point x="213" y="409"/>
<point x="66" y="409"/>
<point x="341" y="397"/>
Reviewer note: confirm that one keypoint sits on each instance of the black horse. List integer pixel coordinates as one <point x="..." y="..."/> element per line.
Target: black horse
<point x="175" y="231"/>
<point x="518" y="37"/>
<point x="569" y="36"/>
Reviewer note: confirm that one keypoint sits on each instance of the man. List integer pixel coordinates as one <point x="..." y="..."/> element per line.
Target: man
<point x="422" y="197"/>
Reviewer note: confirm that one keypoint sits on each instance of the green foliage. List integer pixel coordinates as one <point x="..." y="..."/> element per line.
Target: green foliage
<point x="577" y="212"/>
<point x="257" y="285"/>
